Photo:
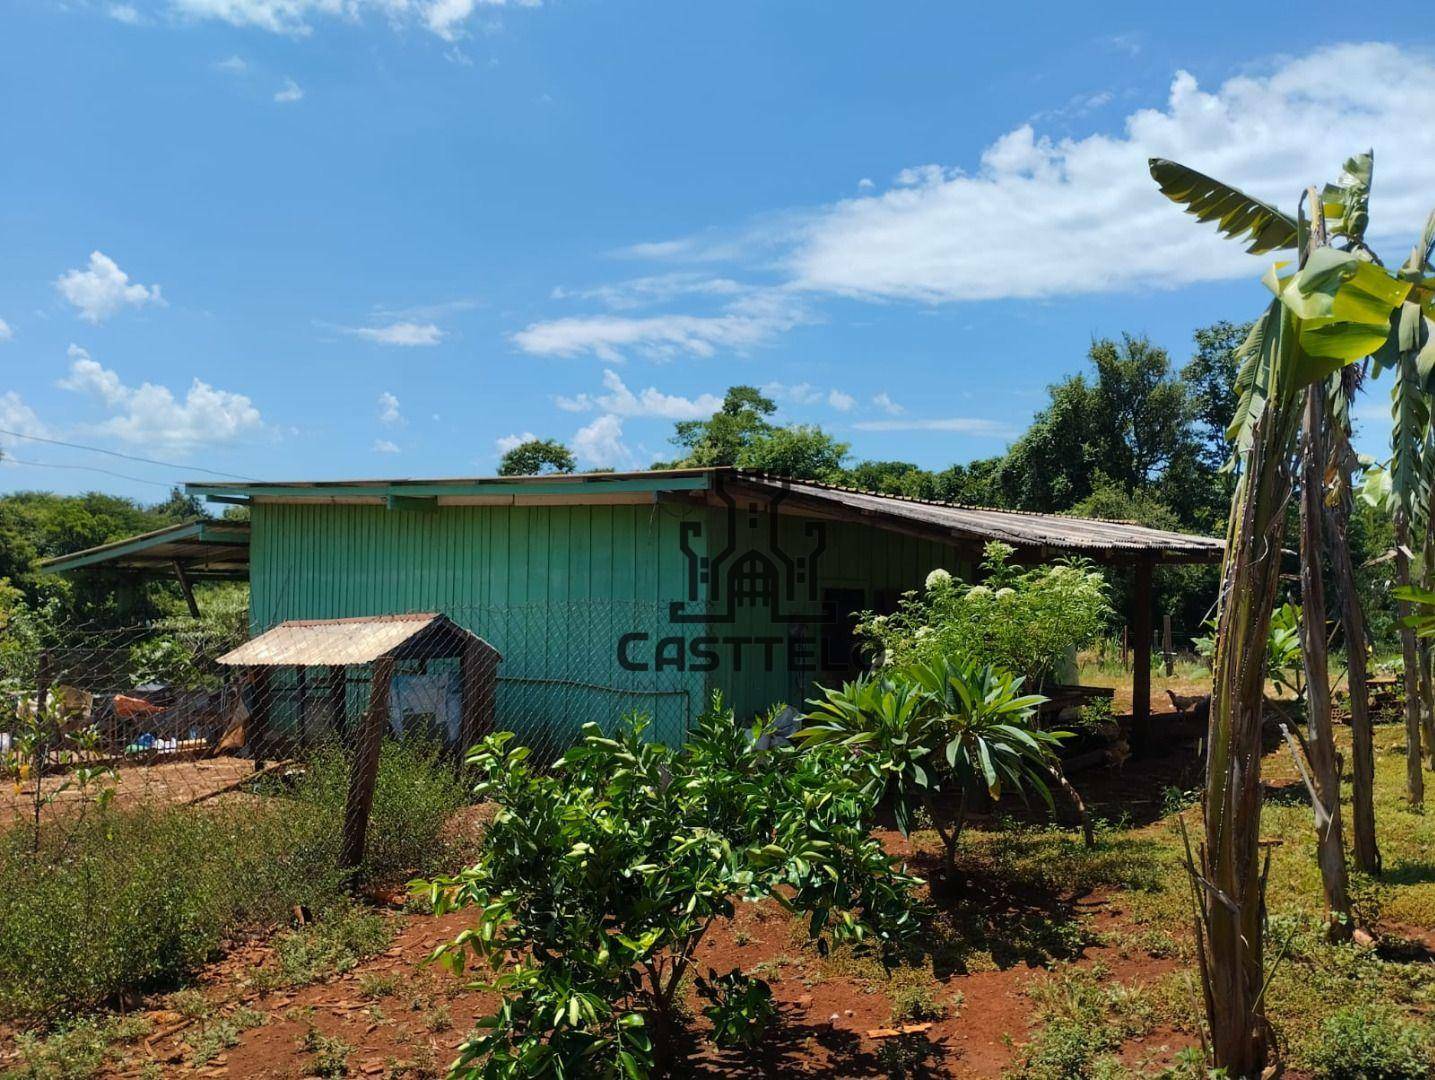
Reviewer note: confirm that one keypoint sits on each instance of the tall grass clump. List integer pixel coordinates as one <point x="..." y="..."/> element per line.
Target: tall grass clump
<point x="135" y="898"/>
<point x="416" y="792"/>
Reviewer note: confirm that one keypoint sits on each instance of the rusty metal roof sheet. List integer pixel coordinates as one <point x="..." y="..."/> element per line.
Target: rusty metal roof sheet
<point x="1047" y="532"/>
<point x="340" y="642"/>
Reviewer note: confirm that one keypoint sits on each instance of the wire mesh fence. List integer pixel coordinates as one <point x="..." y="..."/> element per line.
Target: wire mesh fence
<point x="184" y="711"/>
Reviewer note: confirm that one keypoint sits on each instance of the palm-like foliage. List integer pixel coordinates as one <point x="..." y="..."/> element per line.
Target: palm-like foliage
<point x="1236" y="214"/>
<point x="940" y="728"/>
<point x="1334" y="310"/>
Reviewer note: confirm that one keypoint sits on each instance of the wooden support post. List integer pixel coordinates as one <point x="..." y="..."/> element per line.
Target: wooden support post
<point x="1166" y="645"/>
<point x="338" y="700"/>
<point x="257" y="732"/>
<point x="365" y="769"/>
<point x="478" y="680"/>
<point x="302" y="707"/>
<point x="186" y="587"/>
<point x="1141" y="661"/>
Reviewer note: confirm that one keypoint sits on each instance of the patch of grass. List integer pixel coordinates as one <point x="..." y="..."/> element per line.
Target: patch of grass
<point x="1372" y="1043"/>
<point x="78" y="1050"/>
<point x="908" y="1056"/>
<point x="416" y="791"/>
<point x="330" y="1053"/>
<point x="332" y="945"/>
<point x="149" y="894"/>
<point x="190" y="1003"/>
<point x="208" y="1042"/>
<point x="1084" y="1019"/>
<point x="380" y="984"/>
<point x="914" y="995"/>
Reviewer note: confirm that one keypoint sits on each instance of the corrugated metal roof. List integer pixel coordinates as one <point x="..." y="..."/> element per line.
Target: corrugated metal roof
<point x="206" y="548"/>
<point x="339" y="642"/>
<point x="1056" y="532"/>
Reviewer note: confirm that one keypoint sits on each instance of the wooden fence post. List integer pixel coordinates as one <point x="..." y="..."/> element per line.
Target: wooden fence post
<point x="1141" y="661"/>
<point x="365" y="769"/>
<point x="1166" y="645"/>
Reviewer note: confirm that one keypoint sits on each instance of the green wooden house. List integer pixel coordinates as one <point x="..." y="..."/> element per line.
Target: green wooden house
<point x="612" y="592"/>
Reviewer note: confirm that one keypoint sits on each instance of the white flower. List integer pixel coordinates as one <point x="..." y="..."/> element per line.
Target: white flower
<point x="938" y="579"/>
<point x="1002" y="594"/>
<point x="923" y="632"/>
<point x="978" y="592"/>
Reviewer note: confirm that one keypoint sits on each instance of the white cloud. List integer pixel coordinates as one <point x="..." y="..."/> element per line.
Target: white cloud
<point x="152" y="414"/>
<point x="964" y="425"/>
<point x="288" y="93"/>
<point x="232" y="65"/>
<point x="384" y="446"/>
<point x="446" y="18"/>
<point x="505" y="443"/>
<point x="103" y="289"/>
<point x="804" y="393"/>
<point x="389" y="410"/>
<point x="1041" y="217"/>
<point x="621" y="401"/>
<point x="6" y="333"/>
<point x="865" y="184"/>
<point x="399" y="333"/>
<point x="884" y="402"/>
<point x="16" y="416"/>
<point x="601" y="442"/>
<point x="655" y="289"/>
<point x="125" y="13"/>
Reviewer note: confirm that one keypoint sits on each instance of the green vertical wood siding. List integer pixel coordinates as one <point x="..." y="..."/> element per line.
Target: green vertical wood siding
<point x="554" y="589"/>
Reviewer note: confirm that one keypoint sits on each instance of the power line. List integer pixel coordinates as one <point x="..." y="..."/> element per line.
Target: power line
<point x="88" y="468"/>
<point x="127" y="457"/>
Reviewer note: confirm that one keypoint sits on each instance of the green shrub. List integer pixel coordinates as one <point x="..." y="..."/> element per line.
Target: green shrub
<point x="740" y="1007"/>
<point x="1028" y="622"/>
<point x="416" y="791"/>
<point x="597" y="882"/>
<point x="1369" y="1042"/>
<point x="134" y="898"/>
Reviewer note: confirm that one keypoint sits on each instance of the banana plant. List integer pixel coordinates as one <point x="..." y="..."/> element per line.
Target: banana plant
<point x="1332" y="311"/>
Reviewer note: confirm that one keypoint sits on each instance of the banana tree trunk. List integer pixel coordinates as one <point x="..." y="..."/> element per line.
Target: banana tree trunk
<point x="1362" y="734"/>
<point x="1320" y="742"/>
<point x="1410" y="661"/>
<point x="1230" y="887"/>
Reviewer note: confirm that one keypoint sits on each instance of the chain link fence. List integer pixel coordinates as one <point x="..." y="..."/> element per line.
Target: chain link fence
<point x="186" y="711"/>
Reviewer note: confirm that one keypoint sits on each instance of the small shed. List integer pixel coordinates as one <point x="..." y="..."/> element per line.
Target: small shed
<point x="379" y="643"/>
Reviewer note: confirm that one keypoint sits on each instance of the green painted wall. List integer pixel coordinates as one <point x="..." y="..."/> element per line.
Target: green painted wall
<point x="558" y="590"/>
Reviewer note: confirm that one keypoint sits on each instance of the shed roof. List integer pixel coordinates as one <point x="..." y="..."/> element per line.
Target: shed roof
<point x="209" y="547"/>
<point x="341" y="642"/>
<point x="1038" y="533"/>
<point x="1034" y="535"/>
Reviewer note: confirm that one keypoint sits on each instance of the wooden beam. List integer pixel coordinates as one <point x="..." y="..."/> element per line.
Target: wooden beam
<point x="257" y="731"/>
<point x="1141" y="662"/>
<point x="187" y="588"/>
<point x="365" y="769"/>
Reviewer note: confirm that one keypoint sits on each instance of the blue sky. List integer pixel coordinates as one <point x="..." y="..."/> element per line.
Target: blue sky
<point x="340" y="238"/>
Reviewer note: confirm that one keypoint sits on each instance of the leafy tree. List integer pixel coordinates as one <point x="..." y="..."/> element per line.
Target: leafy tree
<point x="801" y="451"/>
<point x="1210" y="378"/>
<point x="537" y="456"/>
<point x="719" y="440"/>
<point x="598" y="880"/>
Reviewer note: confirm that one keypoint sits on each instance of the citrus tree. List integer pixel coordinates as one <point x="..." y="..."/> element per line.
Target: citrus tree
<point x="598" y="881"/>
